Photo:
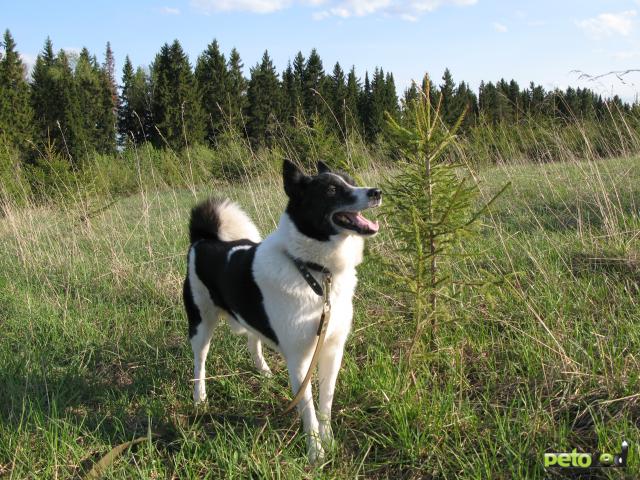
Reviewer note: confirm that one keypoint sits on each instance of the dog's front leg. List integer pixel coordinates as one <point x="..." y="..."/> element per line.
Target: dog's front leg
<point x="298" y="366"/>
<point x="328" y="368"/>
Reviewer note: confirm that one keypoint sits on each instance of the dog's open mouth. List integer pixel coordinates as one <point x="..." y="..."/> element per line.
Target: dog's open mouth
<point x="357" y="222"/>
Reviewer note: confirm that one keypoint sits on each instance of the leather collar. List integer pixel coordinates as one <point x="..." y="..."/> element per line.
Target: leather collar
<point x="304" y="267"/>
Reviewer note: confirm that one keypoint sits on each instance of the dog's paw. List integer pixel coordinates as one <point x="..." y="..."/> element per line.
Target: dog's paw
<point x="315" y="452"/>
<point x="265" y="372"/>
<point x="199" y="396"/>
<point x="326" y="436"/>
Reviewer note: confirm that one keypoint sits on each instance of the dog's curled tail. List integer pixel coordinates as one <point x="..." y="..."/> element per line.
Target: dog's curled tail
<point x="223" y="220"/>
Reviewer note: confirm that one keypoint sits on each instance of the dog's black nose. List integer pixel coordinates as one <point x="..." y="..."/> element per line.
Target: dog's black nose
<point x="374" y="193"/>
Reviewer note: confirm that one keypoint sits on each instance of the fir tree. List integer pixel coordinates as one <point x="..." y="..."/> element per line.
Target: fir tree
<point x="175" y="105"/>
<point x="337" y="96"/>
<point x="311" y="85"/>
<point x="212" y="79"/>
<point x="536" y="96"/>
<point x="109" y="69"/>
<point x="299" y="66"/>
<point x="88" y="96"/>
<point x="16" y="115"/>
<point x="69" y="132"/>
<point x="515" y="100"/>
<point x="494" y="105"/>
<point x="352" y="97"/>
<point x="410" y="95"/>
<point x="377" y="104"/>
<point x="237" y="94"/>
<point x="57" y="112"/>
<point x="44" y="102"/>
<point x="141" y="98"/>
<point x="465" y="100"/>
<point x="107" y="120"/>
<point x="289" y="95"/>
<point x="364" y="107"/>
<point x="391" y="96"/>
<point x="126" y="116"/>
<point x="263" y="99"/>
<point x="447" y="105"/>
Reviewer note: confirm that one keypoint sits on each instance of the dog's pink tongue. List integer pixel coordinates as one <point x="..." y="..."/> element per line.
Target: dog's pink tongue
<point x="365" y="223"/>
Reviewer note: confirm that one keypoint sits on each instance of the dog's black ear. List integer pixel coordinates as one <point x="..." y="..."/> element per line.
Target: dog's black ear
<point x="323" y="167"/>
<point x="292" y="177"/>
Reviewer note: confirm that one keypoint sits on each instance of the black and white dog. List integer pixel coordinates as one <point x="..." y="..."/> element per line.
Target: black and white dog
<point x="257" y="287"/>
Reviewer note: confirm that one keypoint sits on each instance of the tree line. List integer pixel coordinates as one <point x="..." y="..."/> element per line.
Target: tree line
<point x="72" y="104"/>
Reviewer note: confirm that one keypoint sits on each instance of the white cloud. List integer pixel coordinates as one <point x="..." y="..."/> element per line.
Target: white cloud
<point x="253" y="6"/>
<point x="72" y="51"/>
<point x="500" y="27"/>
<point x="409" y="10"/>
<point x="607" y="24"/>
<point x="625" y="55"/>
<point x="29" y="61"/>
<point x="170" y="11"/>
<point x="320" y="15"/>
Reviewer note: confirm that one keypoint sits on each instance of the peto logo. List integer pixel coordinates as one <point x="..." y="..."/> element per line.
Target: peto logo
<point x="587" y="460"/>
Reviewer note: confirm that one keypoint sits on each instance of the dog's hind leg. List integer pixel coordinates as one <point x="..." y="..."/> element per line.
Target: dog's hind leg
<point x="255" y="347"/>
<point x="200" y="343"/>
<point x="203" y="316"/>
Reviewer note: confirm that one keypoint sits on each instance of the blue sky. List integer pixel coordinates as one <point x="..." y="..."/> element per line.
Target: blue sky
<point x="541" y="41"/>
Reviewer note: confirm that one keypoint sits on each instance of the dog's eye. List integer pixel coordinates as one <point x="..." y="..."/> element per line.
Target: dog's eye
<point x="331" y="190"/>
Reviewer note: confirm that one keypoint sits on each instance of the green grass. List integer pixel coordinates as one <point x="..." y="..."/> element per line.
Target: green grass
<point x="94" y="350"/>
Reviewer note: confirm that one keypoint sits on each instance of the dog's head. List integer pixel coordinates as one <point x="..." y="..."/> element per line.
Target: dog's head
<point x="328" y="203"/>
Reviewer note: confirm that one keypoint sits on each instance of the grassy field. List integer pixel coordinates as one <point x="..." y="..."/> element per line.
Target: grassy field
<point x="94" y="350"/>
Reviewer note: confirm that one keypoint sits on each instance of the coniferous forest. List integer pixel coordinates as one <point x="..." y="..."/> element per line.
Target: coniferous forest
<point x="73" y="106"/>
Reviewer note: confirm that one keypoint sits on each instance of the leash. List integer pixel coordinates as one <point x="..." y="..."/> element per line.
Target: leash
<point x="322" y="329"/>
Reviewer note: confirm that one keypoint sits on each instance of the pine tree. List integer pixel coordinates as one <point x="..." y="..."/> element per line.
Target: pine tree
<point x="263" y="99"/>
<point x="212" y="79"/>
<point x="237" y="93"/>
<point x="175" y="105"/>
<point x="16" y="115"/>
